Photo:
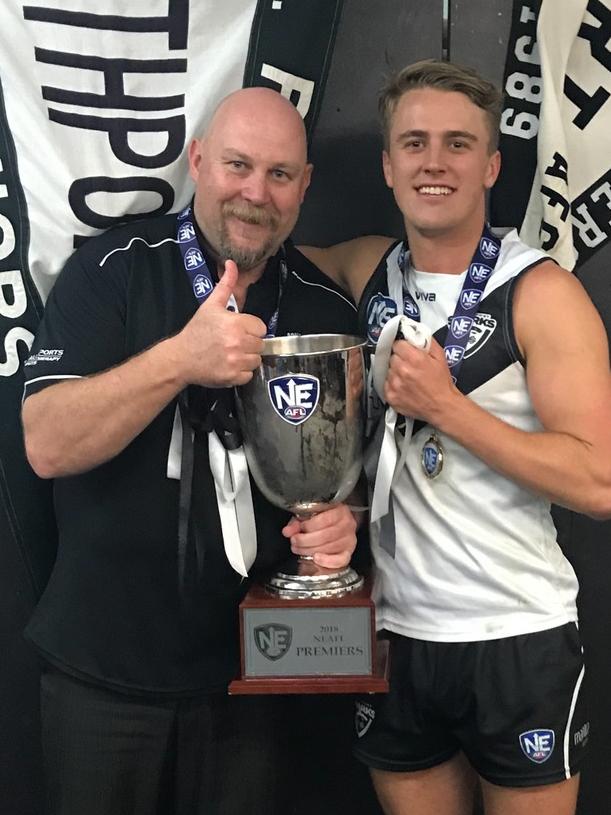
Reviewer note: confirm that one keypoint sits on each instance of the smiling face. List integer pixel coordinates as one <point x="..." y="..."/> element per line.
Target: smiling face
<point x="251" y="173"/>
<point x="438" y="162"/>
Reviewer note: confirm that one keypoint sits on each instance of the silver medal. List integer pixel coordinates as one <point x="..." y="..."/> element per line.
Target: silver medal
<point x="432" y="456"/>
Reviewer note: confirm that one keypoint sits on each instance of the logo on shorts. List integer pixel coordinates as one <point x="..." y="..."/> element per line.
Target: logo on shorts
<point x="273" y="640"/>
<point x="537" y="745"/>
<point x="363" y="717"/>
<point x="581" y="736"/>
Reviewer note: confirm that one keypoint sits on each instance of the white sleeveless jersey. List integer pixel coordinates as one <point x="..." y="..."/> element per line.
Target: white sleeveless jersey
<point x="476" y="554"/>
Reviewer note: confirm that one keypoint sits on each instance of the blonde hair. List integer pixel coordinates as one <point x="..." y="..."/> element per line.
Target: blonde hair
<point x="444" y="76"/>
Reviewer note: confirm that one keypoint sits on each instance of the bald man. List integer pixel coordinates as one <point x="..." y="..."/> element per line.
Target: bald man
<point x="145" y="332"/>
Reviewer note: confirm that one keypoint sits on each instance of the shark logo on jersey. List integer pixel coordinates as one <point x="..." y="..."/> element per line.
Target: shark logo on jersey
<point x="482" y="329"/>
<point x="294" y="397"/>
<point x="364" y="715"/>
<point x="537" y="745"/>
<point x="380" y="310"/>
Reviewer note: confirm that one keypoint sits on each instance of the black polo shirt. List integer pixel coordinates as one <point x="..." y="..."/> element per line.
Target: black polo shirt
<point x="112" y="612"/>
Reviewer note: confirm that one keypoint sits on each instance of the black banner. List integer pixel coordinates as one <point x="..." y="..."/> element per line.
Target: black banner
<point x="26" y="500"/>
<point x="276" y="56"/>
<point x="520" y="118"/>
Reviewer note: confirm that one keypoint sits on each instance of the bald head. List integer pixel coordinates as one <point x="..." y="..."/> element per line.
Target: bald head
<point x="260" y="105"/>
<point x="251" y="173"/>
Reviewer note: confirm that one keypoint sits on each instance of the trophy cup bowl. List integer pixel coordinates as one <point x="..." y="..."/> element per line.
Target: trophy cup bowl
<point x="302" y="425"/>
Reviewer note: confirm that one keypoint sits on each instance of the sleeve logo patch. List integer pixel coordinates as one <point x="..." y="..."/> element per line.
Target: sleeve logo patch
<point x="45" y="355"/>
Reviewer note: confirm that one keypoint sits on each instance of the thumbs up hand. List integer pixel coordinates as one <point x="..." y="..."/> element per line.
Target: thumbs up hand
<point x="221" y="348"/>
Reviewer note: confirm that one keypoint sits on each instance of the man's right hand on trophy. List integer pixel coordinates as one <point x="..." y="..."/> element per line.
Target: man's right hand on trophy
<point x="220" y="348"/>
<point x="328" y="536"/>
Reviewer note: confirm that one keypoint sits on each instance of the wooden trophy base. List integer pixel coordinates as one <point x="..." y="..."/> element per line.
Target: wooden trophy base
<point x="310" y="645"/>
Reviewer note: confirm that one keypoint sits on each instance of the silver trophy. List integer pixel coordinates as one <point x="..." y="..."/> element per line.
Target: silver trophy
<point x="302" y="424"/>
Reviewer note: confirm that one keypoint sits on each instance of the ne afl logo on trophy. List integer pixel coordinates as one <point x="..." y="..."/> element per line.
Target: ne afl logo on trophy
<point x="293" y="397"/>
<point x="273" y="640"/>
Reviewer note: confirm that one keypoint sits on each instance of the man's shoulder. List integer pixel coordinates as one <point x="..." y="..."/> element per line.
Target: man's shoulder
<point x="125" y="238"/>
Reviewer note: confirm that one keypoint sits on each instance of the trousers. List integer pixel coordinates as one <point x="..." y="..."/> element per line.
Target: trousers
<point x="108" y="753"/>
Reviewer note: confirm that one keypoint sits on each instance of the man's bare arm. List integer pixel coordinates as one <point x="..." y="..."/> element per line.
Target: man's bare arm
<point x="567" y="369"/>
<point x="78" y="424"/>
<point x="350" y="264"/>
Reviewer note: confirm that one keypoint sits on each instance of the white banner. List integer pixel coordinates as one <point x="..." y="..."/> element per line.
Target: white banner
<point x="571" y="191"/>
<point x="100" y="114"/>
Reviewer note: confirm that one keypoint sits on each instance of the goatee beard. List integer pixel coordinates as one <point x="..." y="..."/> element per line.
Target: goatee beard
<point x="246" y="259"/>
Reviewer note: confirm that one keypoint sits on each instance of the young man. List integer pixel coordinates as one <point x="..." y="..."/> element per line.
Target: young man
<point x="511" y="409"/>
<point x="128" y="375"/>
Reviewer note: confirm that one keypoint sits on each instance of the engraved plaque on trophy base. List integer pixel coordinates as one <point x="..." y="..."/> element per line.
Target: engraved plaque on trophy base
<point x="310" y="645"/>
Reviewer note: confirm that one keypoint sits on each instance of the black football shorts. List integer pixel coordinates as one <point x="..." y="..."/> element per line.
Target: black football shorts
<point x="514" y="706"/>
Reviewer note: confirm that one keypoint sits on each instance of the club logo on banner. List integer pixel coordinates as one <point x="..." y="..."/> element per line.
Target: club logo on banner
<point x="294" y="397"/>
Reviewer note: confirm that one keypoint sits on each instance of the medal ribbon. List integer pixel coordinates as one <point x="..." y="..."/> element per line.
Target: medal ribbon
<point x="198" y="272"/>
<point x="227" y="459"/>
<point x="479" y="272"/>
<point x="387" y="467"/>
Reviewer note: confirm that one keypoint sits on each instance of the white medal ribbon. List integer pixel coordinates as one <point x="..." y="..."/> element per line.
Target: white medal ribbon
<point x="389" y="464"/>
<point x="173" y="466"/>
<point x="234" y="498"/>
<point x="233" y="495"/>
